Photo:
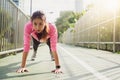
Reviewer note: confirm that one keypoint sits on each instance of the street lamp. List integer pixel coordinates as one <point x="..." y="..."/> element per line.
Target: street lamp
<point x="30" y="7"/>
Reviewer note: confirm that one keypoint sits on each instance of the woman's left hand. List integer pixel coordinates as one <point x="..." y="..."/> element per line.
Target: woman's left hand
<point x="21" y="70"/>
<point x="57" y="71"/>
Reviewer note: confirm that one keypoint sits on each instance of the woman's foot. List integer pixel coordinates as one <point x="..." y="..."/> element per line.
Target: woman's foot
<point x="32" y="59"/>
<point x="33" y="56"/>
<point x="53" y="59"/>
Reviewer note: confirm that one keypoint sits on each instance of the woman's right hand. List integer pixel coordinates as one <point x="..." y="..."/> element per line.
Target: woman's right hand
<point x="57" y="71"/>
<point x="21" y="70"/>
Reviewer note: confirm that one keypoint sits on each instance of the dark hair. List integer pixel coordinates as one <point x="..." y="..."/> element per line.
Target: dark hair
<point x="41" y="15"/>
<point x="38" y="14"/>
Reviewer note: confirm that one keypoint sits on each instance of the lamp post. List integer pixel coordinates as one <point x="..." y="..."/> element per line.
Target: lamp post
<point x="30" y="7"/>
<point x="114" y="30"/>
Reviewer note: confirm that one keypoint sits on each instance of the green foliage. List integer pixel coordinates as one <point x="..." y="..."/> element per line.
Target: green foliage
<point x="5" y="20"/>
<point x="118" y="52"/>
<point x="6" y="31"/>
<point x="66" y="20"/>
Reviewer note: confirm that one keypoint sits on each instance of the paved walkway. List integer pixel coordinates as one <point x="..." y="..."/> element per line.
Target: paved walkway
<point x="77" y="64"/>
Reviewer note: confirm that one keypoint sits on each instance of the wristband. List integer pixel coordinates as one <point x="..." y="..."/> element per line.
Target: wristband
<point x="57" y="67"/>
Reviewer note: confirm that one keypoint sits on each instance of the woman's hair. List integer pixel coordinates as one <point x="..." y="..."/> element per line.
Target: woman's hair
<point x="41" y="15"/>
<point x="38" y="14"/>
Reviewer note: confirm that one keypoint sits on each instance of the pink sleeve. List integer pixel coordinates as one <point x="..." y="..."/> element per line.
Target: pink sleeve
<point x="53" y="37"/>
<point x="27" y="32"/>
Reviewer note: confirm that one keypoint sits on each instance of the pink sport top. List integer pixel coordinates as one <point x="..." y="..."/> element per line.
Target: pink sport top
<point x="28" y="31"/>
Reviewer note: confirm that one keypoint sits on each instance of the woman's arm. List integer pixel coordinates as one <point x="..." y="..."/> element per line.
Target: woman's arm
<point x="53" y="44"/>
<point x="55" y="55"/>
<point x="24" y="57"/>
<point x="23" y="64"/>
<point x="27" y="32"/>
<point x="57" y="70"/>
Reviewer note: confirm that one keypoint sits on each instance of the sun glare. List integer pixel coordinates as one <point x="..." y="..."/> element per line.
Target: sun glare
<point x="111" y="5"/>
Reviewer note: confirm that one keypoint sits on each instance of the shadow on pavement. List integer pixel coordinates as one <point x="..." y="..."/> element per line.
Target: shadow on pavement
<point x="11" y="69"/>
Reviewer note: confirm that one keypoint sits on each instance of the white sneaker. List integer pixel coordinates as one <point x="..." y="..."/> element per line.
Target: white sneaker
<point x="33" y="56"/>
<point x="33" y="59"/>
<point x="53" y="59"/>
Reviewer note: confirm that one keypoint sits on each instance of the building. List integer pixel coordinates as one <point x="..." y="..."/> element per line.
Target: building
<point x="16" y="2"/>
<point x="79" y="5"/>
<point x="24" y="5"/>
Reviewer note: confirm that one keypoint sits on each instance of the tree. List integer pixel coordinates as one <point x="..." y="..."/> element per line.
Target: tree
<point x="66" y="20"/>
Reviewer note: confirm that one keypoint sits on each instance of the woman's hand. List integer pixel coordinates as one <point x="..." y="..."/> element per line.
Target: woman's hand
<point x="57" y="71"/>
<point x="21" y="70"/>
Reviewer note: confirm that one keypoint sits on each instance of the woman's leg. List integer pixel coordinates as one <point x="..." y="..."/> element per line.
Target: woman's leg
<point x="48" y="43"/>
<point x="35" y="47"/>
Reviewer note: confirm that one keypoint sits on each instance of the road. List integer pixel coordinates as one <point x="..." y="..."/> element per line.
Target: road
<point x="77" y="63"/>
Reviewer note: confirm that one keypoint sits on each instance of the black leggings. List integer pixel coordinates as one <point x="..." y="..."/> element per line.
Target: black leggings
<point x="36" y="44"/>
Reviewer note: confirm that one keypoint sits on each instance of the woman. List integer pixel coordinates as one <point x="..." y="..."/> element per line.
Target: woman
<point x="41" y="31"/>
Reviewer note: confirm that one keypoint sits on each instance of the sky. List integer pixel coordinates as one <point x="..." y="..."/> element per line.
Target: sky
<point x="50" y="7"/>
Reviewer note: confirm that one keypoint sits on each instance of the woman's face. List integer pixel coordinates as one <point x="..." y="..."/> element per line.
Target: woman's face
<point x="38" y="24"/>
